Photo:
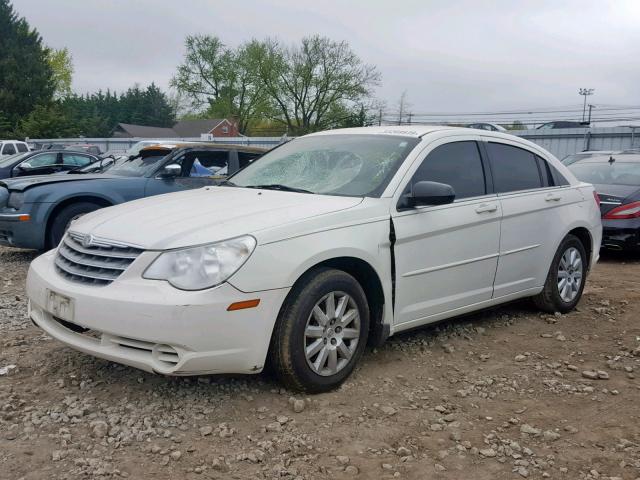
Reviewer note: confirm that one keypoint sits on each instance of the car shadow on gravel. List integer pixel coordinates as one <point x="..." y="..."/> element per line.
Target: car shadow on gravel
<point x="75" y="367"/>
<point x="611" y="256"/>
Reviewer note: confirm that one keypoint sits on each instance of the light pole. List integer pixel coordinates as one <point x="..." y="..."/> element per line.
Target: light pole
<point x="585" y="92"/>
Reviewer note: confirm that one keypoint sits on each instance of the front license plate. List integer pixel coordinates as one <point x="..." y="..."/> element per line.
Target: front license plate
<point x="60" y="306"/>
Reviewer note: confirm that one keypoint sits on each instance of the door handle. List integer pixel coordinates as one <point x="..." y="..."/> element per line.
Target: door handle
<point x="552" y="197"/>
<point x="486" y="207"/>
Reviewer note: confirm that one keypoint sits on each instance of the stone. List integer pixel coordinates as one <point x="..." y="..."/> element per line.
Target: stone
<point x="298" y="406"/>
<point x="529" y="430"/>
<point x="388" y="410"/>
<point x="488" y="452"/>
<point x="176" y="455"/>
<point x="207" y="430"/>
<point x="550" y="436"/>
<point x="342" y="459"/>
<point x="403" y="452"/>
<point x="590" y="374"/>
<point x="99" y="428"/>
<point x="520" y="358"/>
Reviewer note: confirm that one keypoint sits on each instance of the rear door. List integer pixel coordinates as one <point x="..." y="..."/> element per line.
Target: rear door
<point x="534" y="217"/>
<point x="71" y="161"/>
<point x="446" y="255"/>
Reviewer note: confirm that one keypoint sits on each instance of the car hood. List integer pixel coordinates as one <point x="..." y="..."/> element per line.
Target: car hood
<point x="206" y="215"/>
<point x="23" y="183"/>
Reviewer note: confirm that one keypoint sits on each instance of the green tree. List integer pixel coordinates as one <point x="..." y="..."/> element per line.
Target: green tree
<point x="47" y="122"/>
<point x="26" y="78"/>
<point x="224" y="79"/>
<point x="310" y="82"/>
<point x="61" y="64"/>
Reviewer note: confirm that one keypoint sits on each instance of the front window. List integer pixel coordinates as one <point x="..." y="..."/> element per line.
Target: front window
<point x="348" y="165"/>
<point x="610" y="173"/>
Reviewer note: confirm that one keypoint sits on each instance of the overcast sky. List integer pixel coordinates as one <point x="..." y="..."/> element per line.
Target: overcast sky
<point x="450" y="56"/>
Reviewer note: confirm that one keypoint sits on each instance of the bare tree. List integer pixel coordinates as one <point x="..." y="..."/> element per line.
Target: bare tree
<point x="313" y="84"/>
<point x="403" y="108"/>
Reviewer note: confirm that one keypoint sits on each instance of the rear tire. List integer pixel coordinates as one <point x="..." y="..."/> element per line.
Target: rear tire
<point x="565" y="281"/>
<point x="63" y="219"/>
<point x="321" y="331"/>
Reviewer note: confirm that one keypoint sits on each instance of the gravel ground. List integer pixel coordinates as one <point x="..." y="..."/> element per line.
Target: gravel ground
<point x="506" y="393"/>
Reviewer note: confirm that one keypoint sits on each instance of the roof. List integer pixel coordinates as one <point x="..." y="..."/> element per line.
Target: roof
<point x="618" y="158"/>
<point x="148" y="132"/>
<point x="217" y="146"/>
<point x="404" y="130"/>
<point x="193" y="128"/>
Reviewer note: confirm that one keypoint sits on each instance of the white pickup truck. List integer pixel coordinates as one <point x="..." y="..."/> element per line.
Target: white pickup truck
<point x="11" y="147"/>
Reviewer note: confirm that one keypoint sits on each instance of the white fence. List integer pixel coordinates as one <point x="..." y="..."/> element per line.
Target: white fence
<point x="560" y="142"/>
<point x="122" y="144"/>
<point x="566" y="141"/>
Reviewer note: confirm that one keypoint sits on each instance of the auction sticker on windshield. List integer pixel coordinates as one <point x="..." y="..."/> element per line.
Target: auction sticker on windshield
<point x="60" y="306"/>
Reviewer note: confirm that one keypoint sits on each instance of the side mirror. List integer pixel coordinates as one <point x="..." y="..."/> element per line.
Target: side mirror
<point x="171" y="171"/>
<point x="428" y="193"/>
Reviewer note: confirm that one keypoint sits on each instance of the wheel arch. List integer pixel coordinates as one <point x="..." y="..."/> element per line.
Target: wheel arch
<point x="584" y="235"/>
<point x="370" y="281"/>
<point x="96" y="199"/>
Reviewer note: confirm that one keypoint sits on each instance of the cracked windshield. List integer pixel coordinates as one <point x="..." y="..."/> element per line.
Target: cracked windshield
<point x="349" y="165"/>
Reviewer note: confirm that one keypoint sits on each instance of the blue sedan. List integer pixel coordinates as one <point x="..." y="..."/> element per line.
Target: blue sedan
<point x="35" y="212"/>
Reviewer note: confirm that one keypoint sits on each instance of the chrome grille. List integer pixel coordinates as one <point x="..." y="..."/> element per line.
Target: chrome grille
<point x="93" y="261"/>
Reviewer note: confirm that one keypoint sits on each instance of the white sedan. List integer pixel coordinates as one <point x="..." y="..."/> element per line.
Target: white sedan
<point x="326" y="243"/>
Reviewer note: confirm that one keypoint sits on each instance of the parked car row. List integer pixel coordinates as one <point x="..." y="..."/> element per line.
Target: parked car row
<point x="322" y="245"/>
<point x="36" y="211"/>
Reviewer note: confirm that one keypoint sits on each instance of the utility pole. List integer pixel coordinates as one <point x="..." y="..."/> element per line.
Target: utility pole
<point x="380" y="117"/>
<point x="585" y="92"/>
<point x="409" y="118"/>
<point x="591" y="107"/>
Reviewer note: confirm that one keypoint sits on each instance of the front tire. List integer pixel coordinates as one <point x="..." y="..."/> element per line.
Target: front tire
<point x="321" y="331"/>
<point x="565" y="281"/>
<point x="63" y="219"/>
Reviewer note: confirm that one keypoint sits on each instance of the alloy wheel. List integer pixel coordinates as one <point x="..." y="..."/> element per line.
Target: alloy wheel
<point x="332" y="333"/>
<point x="570" y="273"/>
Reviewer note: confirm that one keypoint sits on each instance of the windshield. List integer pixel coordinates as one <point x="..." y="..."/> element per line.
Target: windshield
<point x="11" y="159"/>
<point x="351" y="165"/>
<point x="139" y="166"/>
<point x="614" y="173"/>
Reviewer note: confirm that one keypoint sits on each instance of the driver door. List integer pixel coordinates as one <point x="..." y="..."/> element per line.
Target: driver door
<point x="446" y="256"/>
<point x="198" y="170"/>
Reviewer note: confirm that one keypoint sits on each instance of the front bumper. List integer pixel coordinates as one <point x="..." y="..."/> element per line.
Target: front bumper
<point x="152" y="326"/>
<point x="23" y="234"/>
<point x="621" y="234"/>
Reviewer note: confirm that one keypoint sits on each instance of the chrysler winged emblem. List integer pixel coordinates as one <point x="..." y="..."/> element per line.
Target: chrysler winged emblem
<point x="87" y="241"/>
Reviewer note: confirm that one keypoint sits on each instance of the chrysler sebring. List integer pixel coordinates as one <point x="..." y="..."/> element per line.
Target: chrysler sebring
<point x="327" y="243"/>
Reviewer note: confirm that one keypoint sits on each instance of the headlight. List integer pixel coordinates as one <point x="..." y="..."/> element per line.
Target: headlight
<point x="197" y="268"/>
<point x="16" y="200"/>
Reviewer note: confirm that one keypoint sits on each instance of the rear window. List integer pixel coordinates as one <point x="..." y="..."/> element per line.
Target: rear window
<point x="8" y="149"/>
<point x="615" y="173"/>
<point x="513" y="168"/>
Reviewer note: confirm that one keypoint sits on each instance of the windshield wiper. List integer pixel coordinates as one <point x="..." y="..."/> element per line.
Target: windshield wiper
<point x="227" y="183"/>
<point x="277" y="186"/>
